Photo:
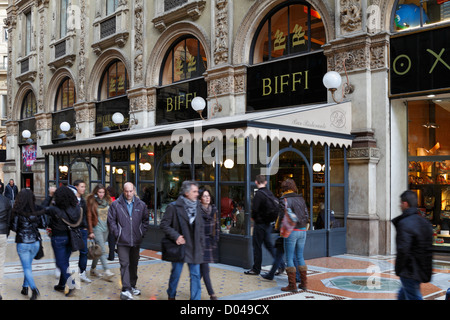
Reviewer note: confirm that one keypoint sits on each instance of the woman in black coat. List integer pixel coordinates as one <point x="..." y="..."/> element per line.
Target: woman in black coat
<point x="27" y="219"/>
<point x="212" y="230"/>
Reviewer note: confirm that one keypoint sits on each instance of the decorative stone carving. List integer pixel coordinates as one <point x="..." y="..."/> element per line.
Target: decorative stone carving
<point x="221" y="27"/>
<point x="82" y="54"/>
<point x="138" y="42"/>
<point x="350" y="11"/>
<point x="192" y="9"/>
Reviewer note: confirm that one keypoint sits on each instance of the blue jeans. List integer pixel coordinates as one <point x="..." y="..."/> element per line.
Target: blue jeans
<point x="410" y="290"/>
<point x="293" y="248"/>
<point x="62" y="249"/>
<point x="194" y="270"/>
<point x="27" y="252"/>
<point x="82" y="261"/>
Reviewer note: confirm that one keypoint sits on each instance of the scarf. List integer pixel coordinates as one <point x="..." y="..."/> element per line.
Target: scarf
<point x="191" y="208"/>
<point x="207" y="212"/>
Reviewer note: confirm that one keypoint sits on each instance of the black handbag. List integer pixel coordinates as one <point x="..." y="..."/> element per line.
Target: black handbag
<point x="40" y="253"/>
<point x="170" y="250"/>
<point x="75" y="236"/>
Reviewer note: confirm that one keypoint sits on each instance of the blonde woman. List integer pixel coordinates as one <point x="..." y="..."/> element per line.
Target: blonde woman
<point x="98" y="203"/>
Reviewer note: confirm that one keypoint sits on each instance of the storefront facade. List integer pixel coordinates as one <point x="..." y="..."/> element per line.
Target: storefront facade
<point x="123" y="80"/>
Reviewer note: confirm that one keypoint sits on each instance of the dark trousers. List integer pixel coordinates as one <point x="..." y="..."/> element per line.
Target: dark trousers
<point x="111" y="245"/>
<point x="261" y="235"/>
<point x="83" y="259"/>
<point x="204" y="272"/>
<point x="128" y="259"/>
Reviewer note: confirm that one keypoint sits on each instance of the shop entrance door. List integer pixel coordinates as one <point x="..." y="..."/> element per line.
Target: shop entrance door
<point x="120" y="174"/>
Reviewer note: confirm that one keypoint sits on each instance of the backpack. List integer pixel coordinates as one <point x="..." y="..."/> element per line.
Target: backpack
<point x="272" y="208"/>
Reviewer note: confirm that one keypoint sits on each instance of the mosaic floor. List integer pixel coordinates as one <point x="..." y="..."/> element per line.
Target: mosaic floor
<point x="344" y="277"/>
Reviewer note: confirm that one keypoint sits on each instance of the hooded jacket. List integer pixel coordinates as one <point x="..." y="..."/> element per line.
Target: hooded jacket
<point x="128" y="231"/>
<point x="414" y="241"/>
<point x="71" y="215"/>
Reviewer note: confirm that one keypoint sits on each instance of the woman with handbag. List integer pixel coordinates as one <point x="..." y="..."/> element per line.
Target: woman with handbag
<point x="98" y="203"/>
<point x="27" y="218"/>
<point x="212" y="231"/>
<point x="294" y="242"/>
<point x="65" y="210"/>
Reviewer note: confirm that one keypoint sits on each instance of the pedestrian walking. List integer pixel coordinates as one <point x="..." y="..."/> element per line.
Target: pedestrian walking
<point x="414" y="240"/>
<point x="128" y="222"/>
<point x="98" y="203"/>
<point x="11" y="191"/>
<point x="79" y="188"/>
<point x="65" y="207"/>
<point x="212" y="230"/>
<point x="261" y="206"/>
<point x="5" y="218"/>
<point x="2" y="187"/>
<point x="27" y="219"/>
<point x="190" y="233"/>
<point x="294" y="244"/>
<point x="111" y="240"/>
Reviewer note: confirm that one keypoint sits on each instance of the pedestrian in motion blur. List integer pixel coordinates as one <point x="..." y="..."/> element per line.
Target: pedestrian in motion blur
<point x="212" y="231"/>
<point x="128" y="221"/>
<point x="27" y="219"/>
<point x="295" y="243"/>
<point x="191" y="234"/>
<point x="414" y="241"/>
<point x="98" y="203"/>
<point x="66" y="207"/>
<point x="5" y="216"/>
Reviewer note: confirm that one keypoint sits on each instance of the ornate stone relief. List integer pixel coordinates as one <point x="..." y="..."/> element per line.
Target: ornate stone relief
<point x="192" y="9"/>
<point x="82" y="54"/>
<point x="350" y="11"/>
<point x="138" y="41"/>
<point x="221" y="27"/>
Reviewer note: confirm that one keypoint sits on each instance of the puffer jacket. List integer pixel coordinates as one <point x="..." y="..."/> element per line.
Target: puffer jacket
<point x="414" y="242"/>
<point x="298" y="206"/>
<point x="128" y="231"/>
<point x="26" y="226"/>
<point x="5" y="214"/>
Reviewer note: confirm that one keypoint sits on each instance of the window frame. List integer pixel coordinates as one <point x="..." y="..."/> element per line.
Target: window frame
<point x="105" y="75"/>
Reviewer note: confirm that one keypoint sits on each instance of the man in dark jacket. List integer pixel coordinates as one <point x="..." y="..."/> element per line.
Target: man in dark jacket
<point x="11" y="191"/>
<point x="414" y="248"/>
<point x="190" y="233"/>
<point x="5" y="217"/>
<point x="128" y="222"/>
<point x="262" y="229"/>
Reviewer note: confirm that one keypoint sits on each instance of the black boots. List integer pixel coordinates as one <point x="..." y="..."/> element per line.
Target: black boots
<point x="34" y="294"/>
<point x="24" y="291"/>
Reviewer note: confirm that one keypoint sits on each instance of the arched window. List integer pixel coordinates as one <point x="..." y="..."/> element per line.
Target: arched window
<point x="114" y="81"/>
<point x="294" y="28"/>
<point x="186" y="59"/>
<point x="413" y="14"/>
<point x="65" y="97"/>
<point x="29" y="108"/>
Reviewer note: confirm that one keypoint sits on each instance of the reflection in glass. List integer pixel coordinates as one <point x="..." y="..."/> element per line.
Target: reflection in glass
<point x="232" y="213"/>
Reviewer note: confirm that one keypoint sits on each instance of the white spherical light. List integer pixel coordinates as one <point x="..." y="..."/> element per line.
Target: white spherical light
<point x="198" y="104"/>
<point x="229" y="164"/>
<point x="118" y="118"/>
<point x="64" y="126"/>
<point x="332" y="80"/>
<point x="26" y="134"/>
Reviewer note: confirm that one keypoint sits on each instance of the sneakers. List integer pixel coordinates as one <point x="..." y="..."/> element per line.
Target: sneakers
<point x="126" y="295"/>
<point x="108" y="275"/>
<point x="136" y="292"/>
<point x="84" y="277"/>
<point x="95" y="273"/>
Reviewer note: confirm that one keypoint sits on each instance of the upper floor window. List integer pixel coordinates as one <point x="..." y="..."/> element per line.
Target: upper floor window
<point x="65" y="97"/>
<point x="29" y="106"/>
<point x="111" y="6"/>
<point x="415" y="14"/>
<point x="63" y="18"/>
<point x="291" y="28"/>
<point x="28" y="33"/>
<point x="185" y="60"/>
<point x="114" y="82"/>
<point x="171" y="4"/>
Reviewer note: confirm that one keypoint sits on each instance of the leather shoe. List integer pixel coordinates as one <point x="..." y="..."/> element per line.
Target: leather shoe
<point x="251" y="272"/>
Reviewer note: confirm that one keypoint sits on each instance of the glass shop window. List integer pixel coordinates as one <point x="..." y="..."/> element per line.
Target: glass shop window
<point x="411" y="14"/>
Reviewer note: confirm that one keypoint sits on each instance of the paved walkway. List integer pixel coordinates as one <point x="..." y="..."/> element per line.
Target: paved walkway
<point x="344" y="277"/>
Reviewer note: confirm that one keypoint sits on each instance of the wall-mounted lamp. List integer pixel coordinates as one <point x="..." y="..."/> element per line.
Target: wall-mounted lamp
<point x="198" y="104"/>
<point x="26" y="134"/>
<point x="332" y="81"/>
<point x="65" y="127"/>
<point x="118" y="119"/>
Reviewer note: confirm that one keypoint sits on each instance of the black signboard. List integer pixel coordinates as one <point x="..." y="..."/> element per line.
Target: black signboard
<point x="105" y="111"/>
<point x="288" y="82"/>
<point x="420" y="61"/>
<point x="174" y="102"/>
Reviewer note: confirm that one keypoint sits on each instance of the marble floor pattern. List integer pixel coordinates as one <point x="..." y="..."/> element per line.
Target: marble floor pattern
<point x="343" y="277"/>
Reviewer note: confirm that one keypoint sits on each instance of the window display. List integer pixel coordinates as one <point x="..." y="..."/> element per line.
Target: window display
<point x="415" y="13"/>
<point x="429" y="163"/>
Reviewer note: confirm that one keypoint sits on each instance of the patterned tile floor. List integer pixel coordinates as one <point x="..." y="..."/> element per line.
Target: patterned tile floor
<point x="344" y="277"/>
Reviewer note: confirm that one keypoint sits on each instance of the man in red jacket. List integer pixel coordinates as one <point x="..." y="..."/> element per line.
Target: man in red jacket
<point x="128" y="221"/>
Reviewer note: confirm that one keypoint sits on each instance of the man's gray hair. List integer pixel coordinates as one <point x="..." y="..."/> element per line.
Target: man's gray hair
<point x="186" y="186"/>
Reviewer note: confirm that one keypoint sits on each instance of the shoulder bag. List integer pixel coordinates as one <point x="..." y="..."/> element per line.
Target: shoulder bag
<point x="170" y="250"/>
<point x="289" y="221"/>
<point x="75" y="237"/>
